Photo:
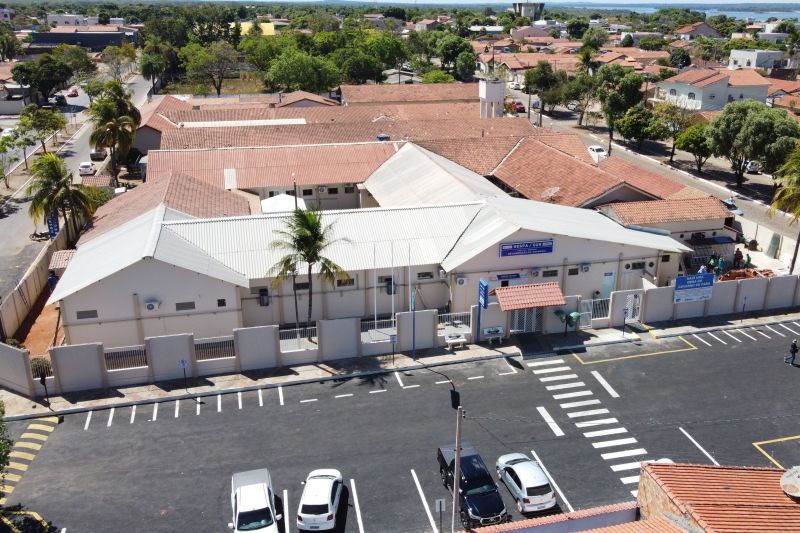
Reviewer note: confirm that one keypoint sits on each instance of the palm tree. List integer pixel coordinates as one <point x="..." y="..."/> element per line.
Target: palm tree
<point x="116" y="93"/>
<point x="787" y="197"/>
<point x="51" y="190"/>
<point x="305" y="240"/>
<point x="152" y="67"/>
<point x="111" y="130"/>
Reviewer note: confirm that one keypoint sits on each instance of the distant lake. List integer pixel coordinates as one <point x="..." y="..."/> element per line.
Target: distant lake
<point x="710" y="12"/>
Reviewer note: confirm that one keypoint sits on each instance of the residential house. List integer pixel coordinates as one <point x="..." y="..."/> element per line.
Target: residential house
<point x="426" y="25"/>
<point x="525" y="32"/>
<point x="764" y="59"/>
<point x="489" y="30"/>
<point x="779" y="88"/>
<point x="777" y="38"/>
<point x="639" y="35"/>
<point x="7" y="14"/>
<point x="693" y="31"/>
<point x="515" y="65"/>
<point x="704" y="89"/>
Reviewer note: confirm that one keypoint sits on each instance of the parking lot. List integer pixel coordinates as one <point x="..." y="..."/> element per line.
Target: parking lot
<point x="589" y="417"/>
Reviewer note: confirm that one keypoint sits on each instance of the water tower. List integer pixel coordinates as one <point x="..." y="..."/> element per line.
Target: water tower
<point x="532" y="10"/>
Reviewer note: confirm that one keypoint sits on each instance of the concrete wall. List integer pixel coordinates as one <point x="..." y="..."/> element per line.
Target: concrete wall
<point x="128" y="376"/>
<point x="723" y="298"/>
<point x="147" y="139"/>
<point x="551" y="322"/>
<point x="212" y="367"/>
<point x="752" y="293"/>
<point x="425" y="322"/>
<point x="15" y="370"/>
<point x="659" y="304"/>
<point x="491" y="317"/>
<point x="165" y="354"/>
<point x="339" y="339"/>
<point x="79" y="367"/>
<point x="257" y="347"/>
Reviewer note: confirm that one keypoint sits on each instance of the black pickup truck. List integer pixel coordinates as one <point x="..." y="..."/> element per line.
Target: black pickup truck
<point x="481" y="504"/>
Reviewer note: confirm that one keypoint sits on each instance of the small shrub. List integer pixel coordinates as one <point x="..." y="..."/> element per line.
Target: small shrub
<point x="40" y="366"/>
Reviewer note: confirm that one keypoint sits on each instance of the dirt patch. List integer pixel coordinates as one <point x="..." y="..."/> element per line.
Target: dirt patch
<point x="42" y="328"/>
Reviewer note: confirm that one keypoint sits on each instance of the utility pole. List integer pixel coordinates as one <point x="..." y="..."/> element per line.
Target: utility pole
<point x="457" y="470"/>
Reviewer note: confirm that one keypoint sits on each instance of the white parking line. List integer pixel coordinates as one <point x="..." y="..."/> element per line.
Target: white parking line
<point x="761" y="333"/>
<point x="720" y="340"/>
<point x="552" y="481"/>
<point x="611" y="443"/>
<point x="355" y="504"/>
<point x="280" y="393"/>
<point x="513" y="370"/>
<point x="155" y="412"/>
<point x="566" y="386"/>
<point x="591" y="412"/>
<point x="635" y="493"/>
<point x="731" y="336"/>
<point x="698" y="446"/>
<point x="133" y="413"/>
<point x="773" y="330"/>
<point x="623" y="453"/>
<point x="550" y="422"/>
<point x="604" y="432"/>
<point x="552" y="370"/>
<point x="197" y="403"/>
<point x="784" y="326"/>
<point x="746" y="335"/>
<point x="558" y="378"/>
<point x="547" y="363"/>
<point x="239" y="399"/>
<point x="476" y="377"/>
<point x="343" y="395"/>
<point x="582" y="403"/>
<point x="260" y="399"/>
<point x="309" y="400"/>
<point x="701" y="339"/>
<point x="88" y="419"/>
<point x="377" y="391"/>
<point x="110" y="417"/>
<point x="626" y="466"/>
<point x="598" y="422"/>
<point x="286" y="519"/>
<point x="400" y="381"/>
<point x="609" y="389"/>
<point x="630" y="479"/>
<point x="796" y="324"/>
<point x="177" y="407"/>
<point x="443" y="381"/>
<point x="411" y="386"/>
<point x="219" y="403"/>
<point x="576" y="394"/>
<point x="424" y="502"/>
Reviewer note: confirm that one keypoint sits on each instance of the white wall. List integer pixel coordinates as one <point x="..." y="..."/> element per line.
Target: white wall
<point x="257" y="347"/>
<point x="78" y="367"/>
<point x="339" y="339"/>
<point x="15" y="369"/>
<point x="339" y="200"/>
<point x="165" y="353"/>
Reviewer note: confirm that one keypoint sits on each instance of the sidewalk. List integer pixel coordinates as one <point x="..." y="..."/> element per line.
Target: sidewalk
<point x="526" y="346"/>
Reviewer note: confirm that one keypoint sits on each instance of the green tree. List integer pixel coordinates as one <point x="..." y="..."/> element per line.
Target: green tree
<point x="587" y="61"/>
<point x="651" y="42"/>
<point x="787" y="197"/>
<point x="465" y="65"/>
<point x="639" y="124"/>
<point x="437" y="76"/>
<point x="154" y="45"/>
<point x="8" y="144"/>
<point x="595" y="38"/>
<point x="538" y="80"/>
<point x="679" y="58"/>
<point x="694" y="140"/>
<point x="152" y="66"/>
<point x="6" y="444"/>
<point x="295" y="70"/>
<point x="115" y="60"/>
<point x="674" y="119"/>
<point x="10" y="47"/>
<point x="305" y="241"/>
<point x="103" y="17"/>
<point x="51" y="190"/>
<point x="388" y="49"/>
<point x="619" y="89"/>
<point x="209" y="64"/>
<point x="576" y="28"/>
<point x="627" y="41"/>
<point x="360" y="67"/>
<point x="77" y="58"/>
<point x="750" y="131"/>
<point x="41" y="123"/>
<point x="44" y="75"/>
<point x="581" y="89"/>
<point x="111" y="130"/>
<point x="260" y="51"/>
<point x="449" y="47"/>
<point x="121" y="99"/>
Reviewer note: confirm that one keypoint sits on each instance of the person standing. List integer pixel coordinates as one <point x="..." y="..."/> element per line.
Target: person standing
<point x="792" y="353"/>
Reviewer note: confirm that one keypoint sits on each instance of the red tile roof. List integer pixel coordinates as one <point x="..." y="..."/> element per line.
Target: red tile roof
<point x="526" y="60"/>
<point x="680" y="43"/>
<point x="60" y="259"/>
<point x="787" y="86"/>
<point x="480" y="155"/>
<point x="744" y="77"/>
<point x="560" y="519"/>
<point x="152" y="112"/>
<point x="660" y="211"/>
<point x="691" y="27"/>
<point x="528" y="296"/>
<point x="569" y="143"/>
<point x="698" y="77"/>
<point x="391" y="93"/>
<point x="173" y="189"/>
<point x="96" y="28"/>
<point x="97" y="180"/>
<point x="298" y="96"/>
<point x="641" y="178"/>
<point x="658" y="524"/>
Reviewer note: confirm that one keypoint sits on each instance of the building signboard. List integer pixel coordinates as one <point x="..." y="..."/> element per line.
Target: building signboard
<point x="509" y="249"/>
<point x="693" y="288"/>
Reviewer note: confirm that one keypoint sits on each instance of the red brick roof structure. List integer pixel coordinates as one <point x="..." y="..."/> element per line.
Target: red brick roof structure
<point x="528" y="296"/>
<point x="661" y="211"/>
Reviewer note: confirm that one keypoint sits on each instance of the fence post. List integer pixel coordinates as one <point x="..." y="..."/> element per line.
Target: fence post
<point x="101" y="355"/>
<point x="151" y="373"/>
<point x="319" y="341"/>
<point x="192" y="355"/>
<point x="237" y="365"/>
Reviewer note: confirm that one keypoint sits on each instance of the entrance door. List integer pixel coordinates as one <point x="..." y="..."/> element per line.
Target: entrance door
<point x="527" y="320"/>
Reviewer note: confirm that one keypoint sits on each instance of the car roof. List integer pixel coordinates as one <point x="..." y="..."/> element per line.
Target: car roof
<point x="530" y="474"/>
<point x="318" y="486"/>
<point x="251" y="489"/>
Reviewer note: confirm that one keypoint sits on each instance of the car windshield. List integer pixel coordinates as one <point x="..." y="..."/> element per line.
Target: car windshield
<point x="314" y="509"/>
<point x="540" y="490"/>
<point x="481" y="488"/>
<point x="254" y="520"/>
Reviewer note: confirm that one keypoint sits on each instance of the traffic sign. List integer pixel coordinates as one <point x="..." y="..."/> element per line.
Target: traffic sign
<point x="440" y="505"/>
<point x="393" y="339"/>
<point x="483" y="293"/>
<point x="184" y="364"/>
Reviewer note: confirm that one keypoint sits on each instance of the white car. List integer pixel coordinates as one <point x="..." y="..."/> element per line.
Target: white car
<point x="516" y="86"/>
<point x="526" y="482"/>
<point x="752" y="167"/>
<point x="320" y="500"/>
<point x="86" y="168"/>
<point x="598" y="151"/>
<point x="253" y="502"/>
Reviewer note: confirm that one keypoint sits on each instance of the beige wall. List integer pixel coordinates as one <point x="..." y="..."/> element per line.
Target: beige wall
<point x="79" y="367"/>
<point x="147" y="139"/>
<point x="15" y="370"/>
<point x="339" y="339"/>
<point x="340" y="200"/>
<point x="424" y="323"/>
<point x="257" y="347"/>
<point x="165" y="354"/>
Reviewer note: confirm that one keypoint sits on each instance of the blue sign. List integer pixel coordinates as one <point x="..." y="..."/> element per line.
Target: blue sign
<point x="526" y="248"/>
<point x="52" y="224"/>
<point x="483" y="293"/>
<point x="507" y="276"/>
<point x="693" y="288"/>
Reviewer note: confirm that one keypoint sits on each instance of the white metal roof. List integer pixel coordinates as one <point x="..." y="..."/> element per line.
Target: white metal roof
<point x="416" y="176"/>
<point x="281" y="203"/>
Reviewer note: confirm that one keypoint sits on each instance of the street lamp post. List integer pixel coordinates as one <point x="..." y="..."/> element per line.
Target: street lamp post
<point x="457" y="470"/>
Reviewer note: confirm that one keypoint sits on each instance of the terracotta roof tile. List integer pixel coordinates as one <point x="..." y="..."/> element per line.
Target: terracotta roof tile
<point x="644" y="180"/>
<point x="60" y="259"/>
<point x="569" y="143"/>
<point x="152" y="112"/>
<point x="527" y="296"/>
<point x="481" y="155"/>
<point x="95" y="28"/>
<point x="435" y="92"/>
<point x="657" y="524"/>
<point x="173" y="189"/>
<point x="660" y="211"/>
<point x="526" y="60"/>
<point x="298" y="96"/>
<point x="698" y="77"/>
<point x="744" y="77"/>
<point x="680" y="43"/>
<point x="97" y="180"/>
<point x="787" y="86"/>
<point x="559" y="518"/>
<point x="691" y="28"/>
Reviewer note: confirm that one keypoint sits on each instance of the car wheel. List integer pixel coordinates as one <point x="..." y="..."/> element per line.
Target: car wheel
<point x="519" y="507"/>
<point x="465" y="521"/>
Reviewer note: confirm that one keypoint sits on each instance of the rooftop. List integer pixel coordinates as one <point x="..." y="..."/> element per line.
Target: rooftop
<point x="744" y="77"/>
<point x="691" y="27"/>
<point x="661" y="211"/>
<point x="517" y="297"/>
<point x="435" y="92"/>
<point x="699" y="77"/>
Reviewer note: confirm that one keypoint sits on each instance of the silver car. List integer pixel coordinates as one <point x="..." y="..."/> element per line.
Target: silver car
<point x="526" y="482"/>
<point x="253" y="502"/>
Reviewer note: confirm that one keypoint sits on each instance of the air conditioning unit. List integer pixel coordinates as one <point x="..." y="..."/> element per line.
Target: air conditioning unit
<point x="442" y="274"/>
<point x="320" y="189"/>
<point x="461" y="281"/>
<point x="585" y="267"/>
<point x="152" y="305"/>
<point x="535" y="272"/>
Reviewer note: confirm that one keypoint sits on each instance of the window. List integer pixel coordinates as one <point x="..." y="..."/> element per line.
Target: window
<point x="184" y="306"/>
<point x="308" y="192"/>
<point x="349" y="282"/>
<point x="573" y="271"/>
<point x="712" y="96"/>
<point x="691" y="96"/>
<point x="271" y="194"/>
<point x="83" y="315"/>
<point x="263" y="297"/>
<point x="221" y="302"/>
<point x="665" y="258"/>
<point x="301" y="286"/>
<point x="333" y="190"/>
<point x="424" y="275"/>
<point x="290" y="192"/>
<point x="748" y="62"/>
<point x="349" y="190"/>
<point x="735" y="62"/>
<point x="549" y="273"/>
<point x="673" y="92"/>
<point x="638" y="265"/>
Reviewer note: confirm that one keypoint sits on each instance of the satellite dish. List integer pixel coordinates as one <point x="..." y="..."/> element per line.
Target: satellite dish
<point x="790" y="482"/>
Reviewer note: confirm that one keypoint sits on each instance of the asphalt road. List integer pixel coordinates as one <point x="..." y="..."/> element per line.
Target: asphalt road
<point x="589" y="417"/>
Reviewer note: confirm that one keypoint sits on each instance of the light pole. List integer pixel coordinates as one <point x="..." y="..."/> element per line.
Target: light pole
<point x="457" y="469"/>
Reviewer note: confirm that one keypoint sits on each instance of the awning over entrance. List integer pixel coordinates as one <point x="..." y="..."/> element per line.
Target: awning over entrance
<point x="528" y="296"/>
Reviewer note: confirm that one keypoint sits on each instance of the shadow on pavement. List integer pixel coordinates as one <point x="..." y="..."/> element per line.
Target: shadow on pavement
<point x="17" y="518"/>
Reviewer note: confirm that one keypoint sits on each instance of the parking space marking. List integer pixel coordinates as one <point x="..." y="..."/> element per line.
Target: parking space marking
<point x="796" y="324"/>
<point x="582" y="403"/>
<point x="720" y="340"/>
<point x="626" y="466"/>
<point x="629" y="479"/>
<point x="155" y="412"/>
<point x="731" y="336"/>
<point x="133" y="413"/>
<point x="761" y="332"/>
<point x="355" y="504"/>
<point x="591" y="412"/>
<point x="635" y="493"/>
<point x="602" y="381"/>
<point x="443" y="381"/>
<point x="691" y="347"/>
<point x="219" y="403"/>
<point x="763" y="452"/>
<point x="784" y="326"/>
<point x="424" y="502"/>
<point x="22" y="455"/>
<point x="598" y="422"/>
<point x="88" y="419"/>
<point x="701" y="339"/>
<point x="400" y="381"/>
<point x="550" y="422"/>
<point x="698" y="446"/>
<point x="623" y="453"/>
<point x="28" y="445"/>
<point x="197" y="406"/>
<point x="746" y="335"/>
<point x="260" y="399"/>
<point x="773" y="330"/>
<point x="475" y="377"/>
<point x="552" y="481"/>
<point x="513" y="370"/>
<point x="552" y="370"/>
<point x="612" y="443"/>
<point x="558" y="378"/>
<point x="377" y="391"/>
<point x="576" y="394"/>
<point x="42" y="427"/>
<point x="547" y="363"/>
<point x="411" y="386"/>
<point x="286" y="509"/>
<point x="604" y="432"/>
<point x="343" y="395"/>
<point x="309" y="400"/>
<point x="566" y="386"/>
<point x="239" y="398"/>
<point x="177" y="408"/>
<point x="18" y="466"/>
<point x="110" y="417"/>
<point x="280" y="393"/>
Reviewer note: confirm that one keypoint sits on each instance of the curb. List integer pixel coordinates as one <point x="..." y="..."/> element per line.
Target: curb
<point x="717" y="328"/>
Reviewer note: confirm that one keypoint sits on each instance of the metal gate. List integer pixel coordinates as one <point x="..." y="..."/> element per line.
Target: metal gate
<point x="586" y="313"/>
<point x="526" y="320"/>
<point x="633" y="308"/>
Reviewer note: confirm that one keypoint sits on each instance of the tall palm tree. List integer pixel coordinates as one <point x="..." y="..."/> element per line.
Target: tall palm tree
<point x="787" y="197"/>
<point x="51" y="190"/>
<point x="116" y="93"/>
<point x="305" y="240"/>
<point x="111" y="130"/>
<point x="152" y="66"/>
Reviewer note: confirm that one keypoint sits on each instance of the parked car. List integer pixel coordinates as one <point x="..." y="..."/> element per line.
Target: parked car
<point x="598" y="151"/>
<point x="480" y="501"/>
<point x="526" y="482"/>
<point x="86" y="168"/>
<point x="59" y="99"/>
<point x="97" y="155"/>
<point x="515" y="85"/>
<point x="519" y="107"/>
<point x="320" y="500"/>
<point x="253" y="502"/>
<point x="9" y="132"/>
<point x="752" y="167"/>
<point x="732" y="207"/>
<point x="573" y="106"/>
<point x="73" y="92"/>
